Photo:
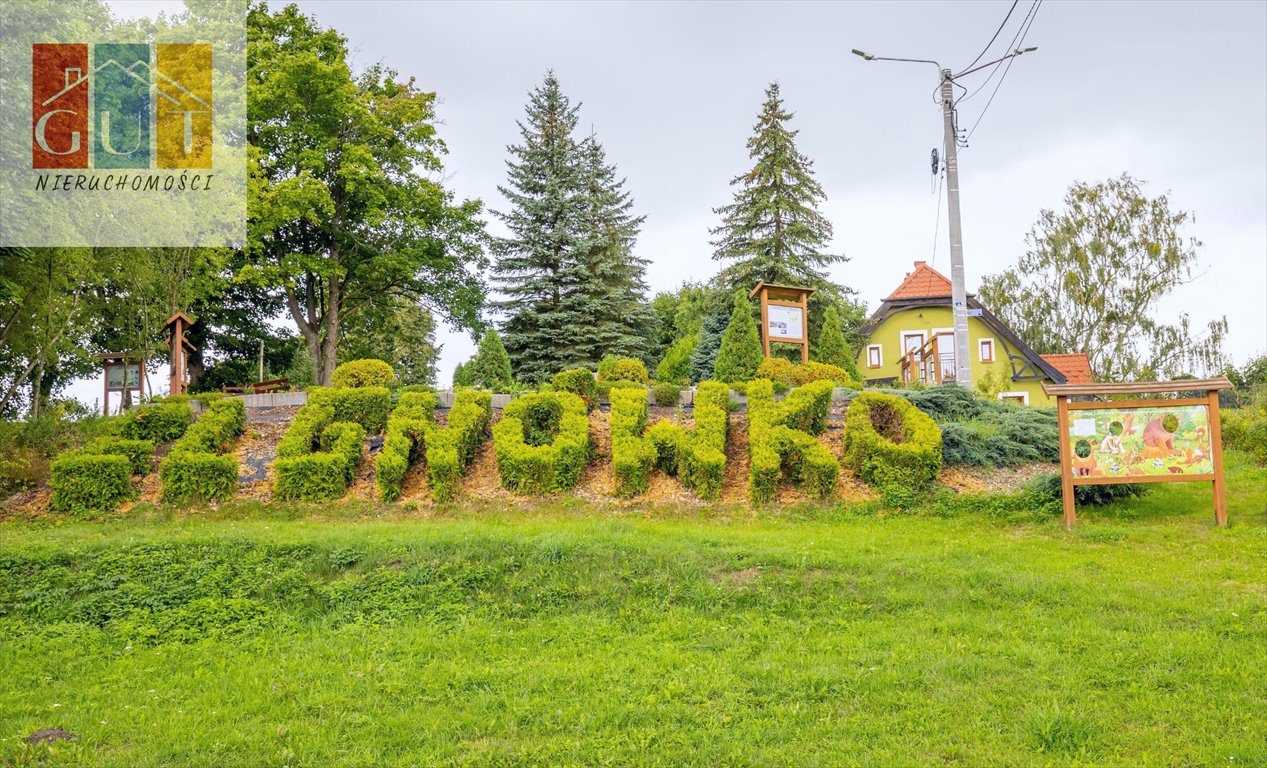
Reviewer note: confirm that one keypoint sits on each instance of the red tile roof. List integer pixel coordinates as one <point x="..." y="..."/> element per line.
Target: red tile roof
<point x="925" y="282"/>
<point x="1075" y="366"/>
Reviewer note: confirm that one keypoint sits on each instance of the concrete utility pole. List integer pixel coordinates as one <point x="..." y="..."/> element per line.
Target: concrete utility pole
<point x="958" y="287"/>
<point x="958" y="282"/>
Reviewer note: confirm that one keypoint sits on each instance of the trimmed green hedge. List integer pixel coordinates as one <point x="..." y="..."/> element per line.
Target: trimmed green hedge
<point x="890" y="442"/>
<point x="137" y="451"/>
<point x="90" y="482"/>
<point x="542" y="442"/>
<point x="633" y="456"/>
<point x="198" y="468"/>
<point x="367" y="406"/>
<point x="403" y="442"/>
<point x="698" y="456"/>
<point x="363" y="373"/>
<point x="451" y="449"/>
<point x="160" y="422"/>
<point x="612" y="368"/>
<point x="666" y="395"/>
<point x="580" y="382"/>
<point x="780" y="438"/>
<point x="320" y="452"/>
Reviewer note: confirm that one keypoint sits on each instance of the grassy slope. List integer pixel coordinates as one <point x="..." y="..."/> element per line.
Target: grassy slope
<point x="568" y="636"/>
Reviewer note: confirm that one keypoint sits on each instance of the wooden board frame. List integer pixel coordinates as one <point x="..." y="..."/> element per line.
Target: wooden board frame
<point x="1211" y="387"/>
<point x="121" y="360"/>
<point x="783" y="296"/>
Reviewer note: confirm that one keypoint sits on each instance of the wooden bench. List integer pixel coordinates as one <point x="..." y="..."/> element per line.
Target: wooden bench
<point x="260" y="387"/>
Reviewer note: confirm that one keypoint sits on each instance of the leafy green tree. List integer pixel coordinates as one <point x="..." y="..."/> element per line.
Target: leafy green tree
<point x="1093" y="277"/>
<point x="345" y="207"/>
<point x="740" y="352"/>
<point x="490" y="368"/>
<point x="773" y="231"/>
<point x="399" y="332"/>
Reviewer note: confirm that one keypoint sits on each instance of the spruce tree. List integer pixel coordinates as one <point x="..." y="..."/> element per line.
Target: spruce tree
<point x="618" y="320"/>
<point x="773" y="231"/>
<point x="542" y="260"/>
<point x="704" y="358"/>
<point x="740" y="352"/>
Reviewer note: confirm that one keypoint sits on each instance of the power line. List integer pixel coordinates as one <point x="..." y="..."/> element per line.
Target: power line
<point x="1003" y="77"/>
<point x="996" y="36"/>
<point x="1012" y="46"/>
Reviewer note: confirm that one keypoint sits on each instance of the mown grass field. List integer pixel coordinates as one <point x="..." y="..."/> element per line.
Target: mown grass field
<point x="575" y="634"/>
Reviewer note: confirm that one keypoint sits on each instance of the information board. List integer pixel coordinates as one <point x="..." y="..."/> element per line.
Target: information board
<point x="1135" y="442"/>
<point x="123" y="376"/>
<point x="784" y="322"/>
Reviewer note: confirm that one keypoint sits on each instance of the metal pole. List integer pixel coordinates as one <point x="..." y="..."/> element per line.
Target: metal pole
<point x="958" y="291"/>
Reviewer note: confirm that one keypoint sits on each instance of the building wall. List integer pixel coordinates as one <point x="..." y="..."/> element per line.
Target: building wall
<point x="889" y="336"/>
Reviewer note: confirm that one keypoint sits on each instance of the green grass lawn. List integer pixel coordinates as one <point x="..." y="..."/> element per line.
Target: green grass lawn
<point x="581" y="635"/>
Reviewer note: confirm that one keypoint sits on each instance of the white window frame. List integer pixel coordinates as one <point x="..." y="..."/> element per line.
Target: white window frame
<point x="879" y="355"/>
<point x="981" y="346"/>
<point x="923" y="339"/>
<point x="1024" y="396"/>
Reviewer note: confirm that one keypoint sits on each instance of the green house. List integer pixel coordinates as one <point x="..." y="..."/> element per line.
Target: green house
<point x="911" y="338"/>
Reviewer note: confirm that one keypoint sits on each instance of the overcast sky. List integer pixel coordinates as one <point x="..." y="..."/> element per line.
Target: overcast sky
<point x="1174" y="93"/>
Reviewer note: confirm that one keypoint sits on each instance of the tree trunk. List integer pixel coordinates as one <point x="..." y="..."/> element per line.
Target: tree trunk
<point x="330" y="344"/>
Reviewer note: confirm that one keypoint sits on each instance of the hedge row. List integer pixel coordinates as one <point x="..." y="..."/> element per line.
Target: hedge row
<point x="578" y="381"/>
<point x="633" y="456"/>
<point x="696" y="456"/>
<point x="159" y="422"/>
<point x="781" y="438"/>
<point x="412" y="434"/>
<point x="198" y="468"/>
<point x="542" y="442"/>
<point x="890" y="442"/>
<point x="320" y="452"/>
<point x="98" y="477"/>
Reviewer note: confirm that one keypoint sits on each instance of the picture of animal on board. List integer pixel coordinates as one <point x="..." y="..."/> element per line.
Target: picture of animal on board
<point x="1140" y="441"/>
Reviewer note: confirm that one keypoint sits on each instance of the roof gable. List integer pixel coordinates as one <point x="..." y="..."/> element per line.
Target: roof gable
<point x="924" y="282"/>
<point x="1076" y="366"/>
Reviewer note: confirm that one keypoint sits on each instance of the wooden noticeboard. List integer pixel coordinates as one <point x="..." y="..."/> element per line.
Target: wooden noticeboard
<point x="124" y="372"/>
<point x="1140" y="441"/>
<point x="784" y="315"/>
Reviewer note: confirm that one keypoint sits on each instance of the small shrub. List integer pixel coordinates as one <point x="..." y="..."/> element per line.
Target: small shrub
<point x="784" y="372"/>
<point x="780" y="436"/>
<point x="633" y="457"/>
<point x="605" y="388"/>
<point x="675" y="367"/>
<point x="1245" y="429"/>
<point x="189" y="477"/>
<point x="159" y="422"/>
<point x="612" y="368"/>
<point x="363" y="373"/>
<point x="1048" y="487"/>
<point x="580" y="382"/>
<point x="403" y="441"/>
<point x="367" y="406"/>
<point x="665" y="395"/>
<point x="137" y="451"/>
<point x="697" y="456"/>
<point x="451" y="450"/>
<point x="888" y="441"/>
<point x="740" y="353"/>
<point x="542" y="442"/>
<point x="87" y="482"/>
<point x="490" y="368"/>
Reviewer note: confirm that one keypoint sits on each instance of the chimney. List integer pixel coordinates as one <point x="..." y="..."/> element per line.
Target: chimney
<point x="920" y="263"/>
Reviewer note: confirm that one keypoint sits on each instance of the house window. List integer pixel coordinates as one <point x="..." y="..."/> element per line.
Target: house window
<point x="986" y="348"/>
<point x="875" y="358"/>
<point x="1015" y="397"/>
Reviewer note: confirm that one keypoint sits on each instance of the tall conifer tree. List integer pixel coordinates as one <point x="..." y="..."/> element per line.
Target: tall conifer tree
<point x="542" y="259"/>
<point x="773" y="230"/>
<point x="574" y="292"/>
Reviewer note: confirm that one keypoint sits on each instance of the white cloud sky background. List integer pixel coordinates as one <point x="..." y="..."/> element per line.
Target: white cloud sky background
<point x="1174" y="93"/>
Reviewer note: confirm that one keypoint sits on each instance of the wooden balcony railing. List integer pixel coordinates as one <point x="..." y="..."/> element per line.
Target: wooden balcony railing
<point x="929" y="364"/>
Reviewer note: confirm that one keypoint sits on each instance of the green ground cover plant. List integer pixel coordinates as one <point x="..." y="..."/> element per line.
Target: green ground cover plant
<point x="542" y="442"/>
<point x="960" y="633"/>
<point x="781" y="440"/>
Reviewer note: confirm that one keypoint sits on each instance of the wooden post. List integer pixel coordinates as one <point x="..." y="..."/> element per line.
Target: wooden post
<point x="804" y="328"/>
<point x="1066" y="468"/>
<point x="105" y="392"/>
<point x="765" y="320"/>
<point x="1216" y="450"/>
